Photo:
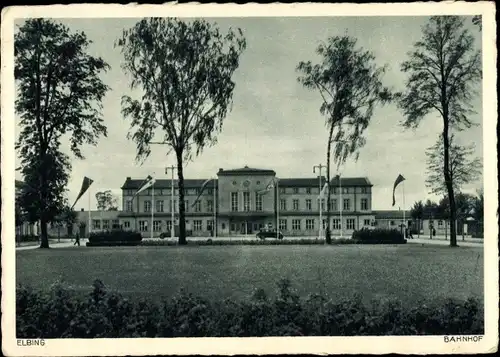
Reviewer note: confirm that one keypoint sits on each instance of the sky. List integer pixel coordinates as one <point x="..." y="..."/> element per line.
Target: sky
<point x="275" y="122"/>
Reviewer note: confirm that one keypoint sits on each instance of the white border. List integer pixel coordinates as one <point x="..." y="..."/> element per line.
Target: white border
<point x="229" y="346"/>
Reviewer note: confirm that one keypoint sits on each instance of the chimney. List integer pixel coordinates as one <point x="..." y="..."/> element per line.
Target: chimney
<point x="128" y="178"/>
<point x="81" y="210"/>
<point x="221" y="169"/>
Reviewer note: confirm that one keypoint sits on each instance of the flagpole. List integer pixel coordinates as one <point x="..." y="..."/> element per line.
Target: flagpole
<point x="404" y="207"/>
<point x="214" y="225"/>
<point x="152" y="207"/>
<point x="277" y="208"/>
<point x="89" y="212"/>
<point x="341" y="209"/>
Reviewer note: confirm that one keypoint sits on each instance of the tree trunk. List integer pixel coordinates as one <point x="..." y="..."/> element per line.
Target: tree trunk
<point x="44" y="238"/>
<point x="449" y="184"/>
<point x="328" y="237"/>
<point x="182" y="206"/>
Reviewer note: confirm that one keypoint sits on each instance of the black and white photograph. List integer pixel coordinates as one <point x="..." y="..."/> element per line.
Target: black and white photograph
<point x="249" y="179"/>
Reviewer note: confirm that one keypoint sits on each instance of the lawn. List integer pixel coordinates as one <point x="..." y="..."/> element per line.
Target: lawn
<point x="411" y="273"/>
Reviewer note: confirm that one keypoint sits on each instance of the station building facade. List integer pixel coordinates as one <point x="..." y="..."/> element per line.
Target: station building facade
<point x="234" y="200"/>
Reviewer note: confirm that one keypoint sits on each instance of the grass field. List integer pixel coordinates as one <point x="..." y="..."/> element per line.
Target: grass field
<point x="411" y="273"/>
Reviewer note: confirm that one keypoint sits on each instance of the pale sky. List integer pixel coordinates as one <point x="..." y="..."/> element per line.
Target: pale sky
<point x="275" y="123"/>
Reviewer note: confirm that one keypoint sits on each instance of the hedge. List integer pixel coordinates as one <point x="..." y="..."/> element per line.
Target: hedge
<point x="59" y="313"/>
<point x="27" y="238"/>
<point x="379" y="236"/>
<point x="114" y="237"/>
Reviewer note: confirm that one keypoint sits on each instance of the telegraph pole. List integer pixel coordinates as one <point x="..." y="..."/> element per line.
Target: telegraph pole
<point x="320" y="199"/>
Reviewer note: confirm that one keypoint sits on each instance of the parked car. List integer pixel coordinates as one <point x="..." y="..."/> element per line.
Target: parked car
<point x="269" y="233"/>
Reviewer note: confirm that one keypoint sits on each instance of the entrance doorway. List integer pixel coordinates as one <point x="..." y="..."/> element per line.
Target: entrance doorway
<point x="246" y="228"/>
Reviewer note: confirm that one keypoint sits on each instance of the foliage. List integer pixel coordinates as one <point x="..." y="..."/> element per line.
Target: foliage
<point x="55" y="167"/>
<point x="184" y="72"/>
<point x="59" y="94"/>
<point x="115" y="236"/>
<point x="478" y="206"/>
<point x="28" y="238"/>
<point x="463" y="169"/>
<point x="476" y="20"/>
<point x="443" y="69"/>
<point x="378" y="235"/>
<point x="417" y="210"/>
<point x="106" y="201"/>
<point x="350" y="86"/>
<point x="59" y="313"/>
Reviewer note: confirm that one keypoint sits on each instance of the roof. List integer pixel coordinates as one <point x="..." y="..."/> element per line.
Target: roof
<point x="391" y="214"/>
<point x="245" y="171"/>
<point x="162" y="183"/>
<point x="314" y="182"/>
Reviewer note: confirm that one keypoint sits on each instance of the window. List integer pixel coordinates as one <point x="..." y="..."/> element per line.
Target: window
<point x="186" y="205"/>
<point x="197" y="206"/>
<point x="334" y="207"/>
<point x="366" y="222"/>
<point x="233" y="227"/>
<point x="440" y="223"/>
<point x="309" y="224"/>
<point x="345" y="190"/>
<point x="295" y="205"/>
<point x="336" y="223"/>
<point x="223" y="225"/>
<point x="105" y="224"/>
<point x="295" y="190"/>
<point x="126" y="224"/>
<point x="308" y="205"/>
<point x="308" y="190"/>
<point x="169" y="226"/>
<point x="364" y="189"/>
<point x="350" y="223"/>
<point x="128" y="206"/>
<point x="210" y="224"/>
<point x="322" y="204"/>
<point x="283" y="225"/>
<point x="324" y="224"/>
<point x="234" y="183"/>
<point x="346" y="205"/>
<point x="156" y="226"/>
<point x="234" y="202"/>
<point x="282" y="205"/>
<point x="258" y="182"/>
<point x="143" y="226"/>
<point x="246" y="201"/>
<point x="159" y="206"/>
<point x="147" y="206"/>
<point x="210" y="191"/>
<point x="282" y="190"/>
<point x="197" y="225"/>
<point x="96" y="224"/>
<point x="335" y="190"/>
<point x="296" y="224"/>
<point x="210" y="206"/>
<point x="364" y="204"/>
<point x="258" y="202"/>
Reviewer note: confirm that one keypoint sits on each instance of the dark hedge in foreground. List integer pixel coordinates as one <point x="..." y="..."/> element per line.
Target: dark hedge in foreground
<point x="61" y="314"/>
<point x="114" y="237"/>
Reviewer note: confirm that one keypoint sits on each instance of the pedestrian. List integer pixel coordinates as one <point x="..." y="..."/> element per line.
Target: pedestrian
<point x="77" y="239"/>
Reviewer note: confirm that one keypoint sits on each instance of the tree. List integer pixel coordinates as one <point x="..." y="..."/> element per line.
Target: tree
<point x="184" y="73"/>
<point x="67" y="217"/>
<point x="478" y="206"/>
<point x="476" y="20"/>
<point x="462" y="168"/>
<point x="350" y="86"/>
<point x="464" y="205"/>
<point x="60" y="93"/>
<point x="443" y="69"/>
<point x="417" y="213"/>
<point x="106" y="201"/>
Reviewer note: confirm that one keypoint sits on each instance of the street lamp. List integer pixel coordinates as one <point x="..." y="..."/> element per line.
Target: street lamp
<point x="320" y="199"/>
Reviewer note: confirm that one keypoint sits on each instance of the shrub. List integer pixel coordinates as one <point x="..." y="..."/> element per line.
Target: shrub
<point x="378" y="236"/>
<point x="114" y="237"/>
<point x="60" y="313"/>
<point x="28" y="238"/>
<point x="220" y="242"/>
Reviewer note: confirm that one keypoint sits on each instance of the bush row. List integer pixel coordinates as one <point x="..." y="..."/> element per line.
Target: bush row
<point x="379" y="235"/>
<point x="59" y="313"/>
<point x="115" y="236"/>
<point x="27" y="238"/>
<point x="219" y="242"/>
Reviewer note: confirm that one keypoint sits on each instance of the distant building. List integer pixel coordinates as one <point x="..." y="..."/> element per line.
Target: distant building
<point x="240" y="209"/>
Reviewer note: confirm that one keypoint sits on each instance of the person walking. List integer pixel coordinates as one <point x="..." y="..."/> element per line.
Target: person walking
<point x="77" y="239"/>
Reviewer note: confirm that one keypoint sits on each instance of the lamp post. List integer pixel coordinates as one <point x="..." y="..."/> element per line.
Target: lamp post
<point x="172" y="168"/>
<point x="320" y="199"/>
